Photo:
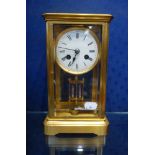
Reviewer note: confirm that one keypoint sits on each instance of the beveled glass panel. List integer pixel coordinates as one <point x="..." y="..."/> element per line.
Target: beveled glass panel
<point x="77" y="95"/>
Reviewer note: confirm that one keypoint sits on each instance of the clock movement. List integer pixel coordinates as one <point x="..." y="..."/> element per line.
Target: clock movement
<point x="77" y="49"/>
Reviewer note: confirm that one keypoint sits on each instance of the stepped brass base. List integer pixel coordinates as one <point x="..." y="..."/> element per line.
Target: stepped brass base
<point x="98" y="126"/>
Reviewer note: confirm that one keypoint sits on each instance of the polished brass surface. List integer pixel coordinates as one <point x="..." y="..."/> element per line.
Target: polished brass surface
<point x="105" y="40"/>
<point x="62" y="118"/>
<point x="98" y="126"/>
<point x="77" y="17"/>
<point x="94" y="85"/>
<point x="50" y="69"/>
<point x="57" y="83"/>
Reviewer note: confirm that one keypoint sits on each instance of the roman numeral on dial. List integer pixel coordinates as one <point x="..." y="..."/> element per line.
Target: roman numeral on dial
<point x="69" y="37"/>
<point x="90" y="43"/>
<point x="77" y="35"/>
<point x="64" y="58"/>
<point x="84" y="63"/>
<point x="90" y="59"/>
<point x="91" y="51"/>
<point x="64" y="43"/>
<point x="85" y="37"/>
<point x="70" y="63"/>
<point x="62" y="51"/>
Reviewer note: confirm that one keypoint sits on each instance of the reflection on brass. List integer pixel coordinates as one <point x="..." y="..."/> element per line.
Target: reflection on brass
<point x="58" y="87"/>
<point x="95" y="81"/>
<point x="80" y="18"/>
<point x="74" y="112"/>
<point x="102" y="96"/>
<point x="98" y="126"/>
<point x="80" y="90"/>
<point x="68" y="115"/>
<point x="72" y="86"/>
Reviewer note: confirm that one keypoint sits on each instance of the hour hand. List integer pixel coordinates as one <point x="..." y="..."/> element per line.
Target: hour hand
<point x="70" y="63"/>
<point x="73" y="59"/>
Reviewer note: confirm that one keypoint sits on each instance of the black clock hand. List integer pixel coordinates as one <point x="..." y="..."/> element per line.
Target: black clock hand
<point x="77" y="51"/>
<point x="67" y="48"/>
<point x="73" y="60"/>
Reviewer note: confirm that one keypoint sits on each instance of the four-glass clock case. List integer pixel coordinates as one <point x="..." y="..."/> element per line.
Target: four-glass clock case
<point x="77" y="48"/>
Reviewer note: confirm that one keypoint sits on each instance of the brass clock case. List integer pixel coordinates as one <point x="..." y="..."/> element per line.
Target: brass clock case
<point x="90" y="67"/>
<point x="64" y="113"/>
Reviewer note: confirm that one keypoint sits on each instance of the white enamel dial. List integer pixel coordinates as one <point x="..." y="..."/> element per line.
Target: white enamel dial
<point x="77" y="50"/>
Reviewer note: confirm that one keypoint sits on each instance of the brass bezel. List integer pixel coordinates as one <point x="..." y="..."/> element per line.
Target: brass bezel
<point x="98" y="46"/>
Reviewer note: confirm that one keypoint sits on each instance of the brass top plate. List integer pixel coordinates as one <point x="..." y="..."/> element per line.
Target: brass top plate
<point x="77" y="17"/>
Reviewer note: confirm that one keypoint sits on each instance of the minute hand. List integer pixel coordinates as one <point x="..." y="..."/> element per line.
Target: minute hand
<point x="67" y="48"/>
<point x="76" y="53"/>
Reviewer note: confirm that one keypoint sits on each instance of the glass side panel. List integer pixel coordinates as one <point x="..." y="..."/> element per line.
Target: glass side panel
<point x="77" y="70"/>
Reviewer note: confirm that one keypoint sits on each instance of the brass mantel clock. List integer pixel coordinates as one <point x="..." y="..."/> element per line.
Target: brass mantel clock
<point x="77" y="47"/>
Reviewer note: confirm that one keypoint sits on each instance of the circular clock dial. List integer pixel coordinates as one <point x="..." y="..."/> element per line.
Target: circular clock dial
<point x="77" y="50"/>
